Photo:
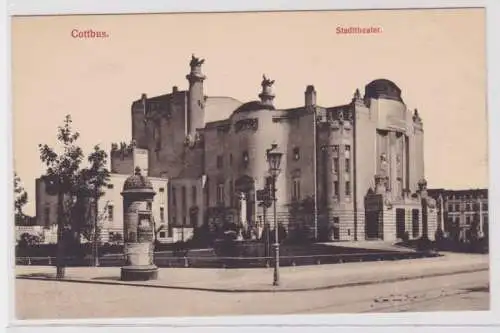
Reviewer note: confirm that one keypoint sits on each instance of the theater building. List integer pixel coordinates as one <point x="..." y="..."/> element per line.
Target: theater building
<point x="362" y="160"/>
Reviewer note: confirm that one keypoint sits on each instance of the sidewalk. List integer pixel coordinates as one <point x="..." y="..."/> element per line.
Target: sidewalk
<point x="300" y="278"/>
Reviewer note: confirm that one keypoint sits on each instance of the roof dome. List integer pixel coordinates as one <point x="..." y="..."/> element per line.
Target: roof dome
<point x="383" y="88"/>
<point x="254" y="106"/>
<point x="137" y="182"/>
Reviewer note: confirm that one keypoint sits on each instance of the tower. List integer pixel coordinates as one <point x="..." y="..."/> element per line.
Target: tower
<point x="267" y="95"/>
<point x="310" y="96"/>
<point x="138" y="122"/>
<point x="196" y="100"/>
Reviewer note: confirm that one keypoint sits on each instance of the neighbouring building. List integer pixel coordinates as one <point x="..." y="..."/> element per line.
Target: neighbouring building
<point x="124" y="159"/>
<point x="459" y="211"/>
<point x="361" y="163"/>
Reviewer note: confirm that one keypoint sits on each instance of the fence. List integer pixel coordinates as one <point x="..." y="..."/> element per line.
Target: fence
<point x="235" y="262"/>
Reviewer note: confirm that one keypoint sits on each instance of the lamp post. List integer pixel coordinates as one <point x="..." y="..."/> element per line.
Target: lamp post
<point x="274" y="160"/>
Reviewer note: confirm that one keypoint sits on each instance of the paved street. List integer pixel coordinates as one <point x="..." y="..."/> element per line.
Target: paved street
<point x="63" y="300"/>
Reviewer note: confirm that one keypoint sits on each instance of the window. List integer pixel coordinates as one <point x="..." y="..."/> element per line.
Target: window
<point x="485" y="206"/>
<point x="184" y="203"/>
<point x="296" y="190"/>
<point x="467" y="220"/>
<point x="174" y="196"/>
<point x="335" y="148"/>
<point x="336" y="188"/>
<point x="467" y="207"/>
<point x="457" y="207"/>
<point x="400" y="223"/>
<point x="415" y="220"/>
<point x="245" y="158"/>
<point x="296" y="153"/>
<point x="220" y="193"/>
<point x="450" y="208"/>
<point x="348" y="188"/>
<point x="162" y="234"/>
<point x="110" y="186"/>
<point x="231" y="193"/>
<point x="347" y="151"/>
<point x="170" y="230"/>
<point x="162" y="195"/>
<point x="150" y="205"/>
<point x="162" y="214"/>
<point x="347" y="165"/>
<point x="47" y="216"/>
<point x="336" y="165"/>
<point x="193" y="195"/>
<point x="110" y="212"/>
<point x="219" y="162"/>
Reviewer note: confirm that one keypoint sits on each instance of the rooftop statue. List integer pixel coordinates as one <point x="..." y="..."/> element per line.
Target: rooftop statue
<point x="196" y="61"/>
<point x="266" y="81"/>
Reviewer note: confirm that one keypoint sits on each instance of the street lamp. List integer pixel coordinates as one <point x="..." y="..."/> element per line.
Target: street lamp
<point x="274" y="160"/>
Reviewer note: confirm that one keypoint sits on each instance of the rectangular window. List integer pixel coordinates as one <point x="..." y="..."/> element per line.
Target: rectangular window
<point x="174" y="197"/>
<point x="457" y="207"/>
<point x="415" y="221"/>
<point x="194" y="195"/>
<point x="47" y="216"/>
<point x="336" y="165"/>
<point x="348" y="188"/>
<point x="110" y="213"/>
<point x="336" y="228"/>
<point x="450" y="208"/>
<point x="336" y="188"/>
<point x="220" y="193"/>
<point x="467" y="220"/>
<point x="347" y="165"/>
<point x="184" y="199"/>
<point x="162" y="195"/>
<point x="219" y="162"/>
<point x="170" y="230"/>
<point x="110" y="186"/>
<point x="485" y="206"/>
<point x="231" y="193"/>
<point x="162" y="234"/>
<point x="296" y="190"/>
<point x="162" y="214"/>
<point x="467" y="207"/>
<point x="400" y="223"/>
<point x="245" y="158"/>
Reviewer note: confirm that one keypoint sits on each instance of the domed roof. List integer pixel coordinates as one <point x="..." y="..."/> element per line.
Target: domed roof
<point x="137" y="182"/>
<point x="383" y="88"/>
<point x="254" y="106"/>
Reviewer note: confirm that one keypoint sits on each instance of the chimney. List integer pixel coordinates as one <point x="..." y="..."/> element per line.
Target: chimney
<point x="310" y="96"/>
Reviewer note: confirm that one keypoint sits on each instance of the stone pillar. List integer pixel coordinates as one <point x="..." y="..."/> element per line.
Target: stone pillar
<point x="138" y="230"/>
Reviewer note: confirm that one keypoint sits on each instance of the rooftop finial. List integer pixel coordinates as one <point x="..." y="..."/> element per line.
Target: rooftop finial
<point x="137" y="171"/>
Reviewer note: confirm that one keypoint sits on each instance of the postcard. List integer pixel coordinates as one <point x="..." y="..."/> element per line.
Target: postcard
<point x="250" y="163"/>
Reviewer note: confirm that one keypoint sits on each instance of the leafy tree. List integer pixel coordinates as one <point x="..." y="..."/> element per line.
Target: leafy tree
<point x="73" y="185"/>
<point x="20" y="200"/>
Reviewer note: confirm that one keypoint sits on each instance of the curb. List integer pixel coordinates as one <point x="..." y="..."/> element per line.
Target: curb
<point x="264" y="290"/>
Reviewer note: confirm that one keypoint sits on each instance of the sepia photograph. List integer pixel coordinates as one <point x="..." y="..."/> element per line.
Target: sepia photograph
<point x="250" y="163"/>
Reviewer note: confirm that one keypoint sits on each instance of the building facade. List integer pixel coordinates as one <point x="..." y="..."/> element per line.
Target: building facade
<point x="461" y="211"/>
<point x="361" y="164"/>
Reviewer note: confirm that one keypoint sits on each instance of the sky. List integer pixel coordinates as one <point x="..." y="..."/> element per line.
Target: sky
<point x="437" y="58"/>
